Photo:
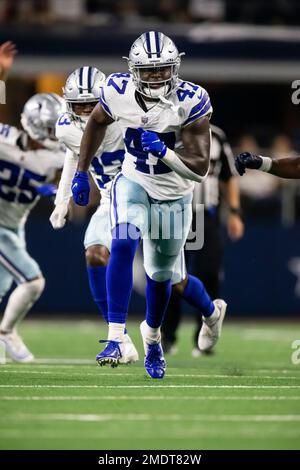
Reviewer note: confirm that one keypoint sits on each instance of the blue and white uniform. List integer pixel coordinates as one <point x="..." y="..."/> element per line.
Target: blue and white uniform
<point x="148" y="188"/>
<point x="104" y="167"/>
<point x="21" y="171"/>
<point x="185" y="105"/>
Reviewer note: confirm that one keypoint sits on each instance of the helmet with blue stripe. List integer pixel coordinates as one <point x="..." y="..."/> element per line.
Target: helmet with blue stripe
<point x="82" y="87"/>
<point x="39" y="117"/>
<point x="153" y="51"/>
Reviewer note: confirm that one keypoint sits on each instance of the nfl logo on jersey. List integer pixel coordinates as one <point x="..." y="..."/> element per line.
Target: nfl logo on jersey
<point x="144" y="119"/>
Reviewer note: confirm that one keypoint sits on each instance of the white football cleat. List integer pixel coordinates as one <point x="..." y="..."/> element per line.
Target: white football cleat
<point x="15" y="347"/>
<point x="211" y="328"/>
<point x="196" y="352"/>
<point x="128" y="351"/>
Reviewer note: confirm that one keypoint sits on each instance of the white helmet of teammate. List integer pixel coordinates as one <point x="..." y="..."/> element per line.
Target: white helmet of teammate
<point x="39" y="117"/>
<point x="83" y="86"/>
<point x="153" y="50"/>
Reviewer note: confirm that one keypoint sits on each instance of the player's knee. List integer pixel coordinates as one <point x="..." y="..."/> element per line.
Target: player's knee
<point x="125" y="248"/>
<point x="179" y="287"/>
<point x="35" y="287"/>
<point x="96" y="255"/>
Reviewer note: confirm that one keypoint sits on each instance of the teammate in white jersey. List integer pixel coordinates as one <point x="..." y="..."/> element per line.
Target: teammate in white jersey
<point x="81" y="93"/>
<point x="29" y="161"/>
<point x="157" y="113"/>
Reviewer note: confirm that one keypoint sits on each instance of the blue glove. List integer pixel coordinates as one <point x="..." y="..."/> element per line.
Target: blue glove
<point x="81" y="188"/>
<point x="247" y="160"/>
<point x="46" y="190"/>
<point x="152" y="143"/>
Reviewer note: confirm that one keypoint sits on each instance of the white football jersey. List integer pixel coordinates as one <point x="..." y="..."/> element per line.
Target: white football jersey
<point x="108" y="158"/>
<point x="166" y="117"/>
<point x="21" y="171"/>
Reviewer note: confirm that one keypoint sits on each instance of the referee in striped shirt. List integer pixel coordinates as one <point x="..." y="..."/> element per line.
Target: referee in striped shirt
<point x="206" y="264"/>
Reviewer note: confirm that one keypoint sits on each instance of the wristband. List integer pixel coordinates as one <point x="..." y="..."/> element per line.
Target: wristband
<point x="266" y="164"/>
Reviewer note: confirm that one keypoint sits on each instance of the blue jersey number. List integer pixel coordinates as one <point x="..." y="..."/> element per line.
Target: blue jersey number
<point x="107" y="159"/>
<point x="134" y="147"/>
<point x="16" y="184"/>
<point x="64" y="120"/>
<point x="4" y="129"/>
<point x="186" y="89"/>
<point x="111" y="82"/>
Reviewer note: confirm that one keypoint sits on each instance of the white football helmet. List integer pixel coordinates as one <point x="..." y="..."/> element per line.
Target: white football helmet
<point x="150" y="50"/>
<point x="83" y="86"/>
<point x="39" y="117"/>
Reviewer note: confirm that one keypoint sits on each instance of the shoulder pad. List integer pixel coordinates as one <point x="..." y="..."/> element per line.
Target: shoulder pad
<point x="194" y="100"/>
<point x="67" y="132"/>
<point x="114" y="87"/>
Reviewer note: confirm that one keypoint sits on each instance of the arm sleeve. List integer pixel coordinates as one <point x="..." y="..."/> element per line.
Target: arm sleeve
<point x="64" y="188"/>
<point x="174" y="162"/>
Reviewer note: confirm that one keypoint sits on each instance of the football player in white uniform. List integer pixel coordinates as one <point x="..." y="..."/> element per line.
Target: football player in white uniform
<point x="81" y="93"/>
<point x="157" y="113"/>
<point x="29" y="161"/>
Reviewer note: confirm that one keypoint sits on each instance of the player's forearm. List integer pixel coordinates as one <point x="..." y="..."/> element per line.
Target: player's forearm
<point x="178" y="163"/>
<point x="232" y="193"/>
<point x="3" y="75"/>
<point x="64" y="188"/>
<point x="194" y="155"/>
<point x="197" y="162"/>
<point x="91" y="140"/>
<point x="286" y="168"/>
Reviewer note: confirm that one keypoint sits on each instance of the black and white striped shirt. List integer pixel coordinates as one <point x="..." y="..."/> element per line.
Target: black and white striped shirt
<point x="221" y="169"/>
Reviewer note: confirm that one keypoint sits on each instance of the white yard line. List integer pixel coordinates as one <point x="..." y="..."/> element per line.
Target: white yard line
<point x="254" y="387"/>
<point x="193" y="433"/>
<point x="276" y="371"/>
<point x="72" y="363"/>
<point x="151" y="417"/>
<point x="148" y="398"/>
<point x="53" y="363"/>
<point x="130" y="374"/>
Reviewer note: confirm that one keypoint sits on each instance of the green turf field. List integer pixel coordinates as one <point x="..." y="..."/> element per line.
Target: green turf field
<point x="246" y="396"/>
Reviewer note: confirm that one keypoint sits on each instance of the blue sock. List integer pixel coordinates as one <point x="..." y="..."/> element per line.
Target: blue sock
<point x="119" y="272"/>
<point x="196" y="295"/>
<point x="158" y="296"/>
<point x="97" y="282"/>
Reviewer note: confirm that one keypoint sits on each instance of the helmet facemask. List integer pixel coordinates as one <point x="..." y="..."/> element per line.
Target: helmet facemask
<point x="71" y="108"/>
<point x="149" y="87"/>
